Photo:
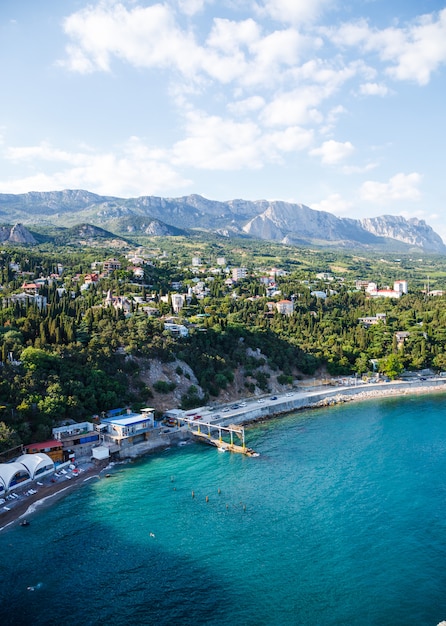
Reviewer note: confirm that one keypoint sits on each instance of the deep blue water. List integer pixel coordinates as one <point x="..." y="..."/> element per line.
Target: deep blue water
<point x="341" y="520"/>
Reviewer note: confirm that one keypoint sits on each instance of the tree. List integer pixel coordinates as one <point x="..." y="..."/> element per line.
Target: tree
<point x="362" y="364"/>
<point x="391" y="366"/>
<point x="8" y="437"/>
<point x="37" y="359"/>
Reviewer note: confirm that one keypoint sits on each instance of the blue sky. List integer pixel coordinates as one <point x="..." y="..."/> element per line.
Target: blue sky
<point x="337" y="104"/>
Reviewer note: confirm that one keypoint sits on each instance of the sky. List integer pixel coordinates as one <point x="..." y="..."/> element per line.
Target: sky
<point x="336" y="104"/>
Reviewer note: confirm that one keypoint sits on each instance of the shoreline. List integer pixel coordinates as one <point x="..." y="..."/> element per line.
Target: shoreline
<point x="398" y="389"/>
<point x="46" y="493"/>
<point x="322" y="397"/>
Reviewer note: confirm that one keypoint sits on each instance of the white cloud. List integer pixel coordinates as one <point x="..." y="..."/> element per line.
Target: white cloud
<point x="318" y="80"/>
<point x="45" y="152"/>
<point x="334" y="204"/>
<point x="359" y="169"/>
<point x="333" y="152"/>
<point x="191" y="7"/>
<point x="330" y="74"/>
<point x="216" y="143"/>
<point x="229" y="36"/>
<point x="414" y="51"/>
<point x="294" y="11"/>
<point x="331" y="119"/>
<point x="144" y="37"/>
<point x="423" y="51"/>
<point x="132" y="169"/>
<point x="150" y="37"/>
<point x="279" y="47"/>
<point x="373" y="89"/>
<point x="400" y="187"/>
<point x="247" y="106"/>
<point x="292" y="139"/>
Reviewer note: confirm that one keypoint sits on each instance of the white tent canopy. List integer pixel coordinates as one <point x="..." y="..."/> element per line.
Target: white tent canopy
<point x="12" y="474"/>
<point x="39" y="464"/>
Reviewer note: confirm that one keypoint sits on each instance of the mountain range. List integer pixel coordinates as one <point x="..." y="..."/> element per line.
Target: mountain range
<point x="288" y="223"/>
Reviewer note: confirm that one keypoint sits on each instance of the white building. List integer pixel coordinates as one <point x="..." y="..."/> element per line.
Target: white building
<point x="399" y="289"/>
<point x="177" y="300"/>
<point x="285" y="307"/>
<point x="238" y="273"/>
<point x="128" y="429"/>
<point x="176" y="329"/>
<point x="319" y="294"/>
<point x="400" y="286"/>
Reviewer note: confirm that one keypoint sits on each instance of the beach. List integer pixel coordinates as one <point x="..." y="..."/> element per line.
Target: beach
<point x="46" y="493"/>
<point x="55" y="486"/>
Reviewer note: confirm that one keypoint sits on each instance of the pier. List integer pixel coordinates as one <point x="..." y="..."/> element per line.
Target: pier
<point x="213" y="435"/>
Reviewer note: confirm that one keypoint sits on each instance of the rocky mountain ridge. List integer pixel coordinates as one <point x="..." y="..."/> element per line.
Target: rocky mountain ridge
<point x="285" y="222"/>
<point x="16" y="234"/>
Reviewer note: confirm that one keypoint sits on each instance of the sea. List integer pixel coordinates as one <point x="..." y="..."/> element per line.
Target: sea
<point x="340" y="520"/>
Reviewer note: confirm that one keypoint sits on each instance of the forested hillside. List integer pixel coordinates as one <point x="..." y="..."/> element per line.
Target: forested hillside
<point x="77" y="337"/>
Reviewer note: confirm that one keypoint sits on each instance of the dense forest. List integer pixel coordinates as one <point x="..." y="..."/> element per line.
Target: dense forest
<point x="65" y="354"/>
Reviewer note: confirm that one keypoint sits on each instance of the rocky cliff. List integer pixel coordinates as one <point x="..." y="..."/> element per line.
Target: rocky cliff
<point x="413" y="231"/>
<point x="274" y="221"/>
<point x="16" y="234"/>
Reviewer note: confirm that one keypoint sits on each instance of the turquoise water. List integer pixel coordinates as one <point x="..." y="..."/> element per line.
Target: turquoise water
<point x="340" y="520"/>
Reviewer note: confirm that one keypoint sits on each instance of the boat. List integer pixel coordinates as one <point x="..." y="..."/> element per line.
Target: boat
<point x="24" y="522"/>
<point x="221" y="449"/>
<point x="251" y="452"/>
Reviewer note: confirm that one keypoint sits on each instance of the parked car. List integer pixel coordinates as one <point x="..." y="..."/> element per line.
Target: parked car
<point x="273" y="398"/>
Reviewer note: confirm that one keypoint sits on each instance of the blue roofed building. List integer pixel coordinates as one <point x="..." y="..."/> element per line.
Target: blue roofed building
<point x="129" y="429"/>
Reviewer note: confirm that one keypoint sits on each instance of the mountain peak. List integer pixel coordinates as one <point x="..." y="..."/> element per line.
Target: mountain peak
<point x="286" y="222"/>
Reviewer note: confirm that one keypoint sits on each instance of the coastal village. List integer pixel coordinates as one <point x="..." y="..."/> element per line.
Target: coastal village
<point x="120" y="434"/>
<point x="170" y="306"/>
